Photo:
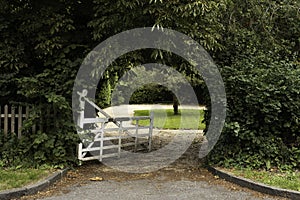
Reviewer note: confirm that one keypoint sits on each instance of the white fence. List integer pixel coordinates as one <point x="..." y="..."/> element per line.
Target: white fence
<point x="110" y="135"/>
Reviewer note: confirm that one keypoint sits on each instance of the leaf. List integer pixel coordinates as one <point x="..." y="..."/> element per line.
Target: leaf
<point x="96" y="179"/>
<point x="268" y="164"/>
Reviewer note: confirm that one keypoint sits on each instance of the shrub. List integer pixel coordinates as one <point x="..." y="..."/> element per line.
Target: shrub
<point x="262" y="124"/>
<point x="151" y="94"/>
<point x="55" y="145"/>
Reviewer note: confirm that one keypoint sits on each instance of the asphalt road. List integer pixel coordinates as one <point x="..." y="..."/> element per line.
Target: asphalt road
<point x="152" y="189"/>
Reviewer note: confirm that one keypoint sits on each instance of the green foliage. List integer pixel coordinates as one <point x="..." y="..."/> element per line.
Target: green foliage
<point x="260" y="68"/>
<point x="54" y="145"/>
<point x="200" y="20"/>
<point x="40" y="54"/>
<point x="262" y="128"/>
<point x="104" y="92"/>
<point x="268" y="28"/>
<point x="151" y="94"/>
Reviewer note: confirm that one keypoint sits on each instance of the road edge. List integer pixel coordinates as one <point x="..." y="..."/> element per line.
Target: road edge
<point x="34" y="188"/>
<point x="260" y="187"/>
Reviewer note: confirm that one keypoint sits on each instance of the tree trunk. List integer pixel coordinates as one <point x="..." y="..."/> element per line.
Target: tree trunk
<point x="175" y="105"/>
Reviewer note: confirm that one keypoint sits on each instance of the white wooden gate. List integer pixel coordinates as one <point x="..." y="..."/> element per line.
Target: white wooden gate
<point x="107" y="136"/>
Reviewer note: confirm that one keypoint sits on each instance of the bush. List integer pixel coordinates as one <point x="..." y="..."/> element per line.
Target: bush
<point x="55" y="145"/>
<point x="151" y="94"/>
<point x="262" y="124"/>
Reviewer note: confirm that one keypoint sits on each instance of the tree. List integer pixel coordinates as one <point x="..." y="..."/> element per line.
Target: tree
<point x="195" y="19"/>
<point x="260" y="65"/>
<point x="42" y="46"/>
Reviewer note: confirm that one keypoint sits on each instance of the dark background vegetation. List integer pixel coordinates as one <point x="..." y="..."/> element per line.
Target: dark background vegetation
<point x="254" y="43"/>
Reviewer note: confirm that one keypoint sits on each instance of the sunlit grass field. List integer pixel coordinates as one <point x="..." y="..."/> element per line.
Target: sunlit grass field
<point x="186" y="119"/>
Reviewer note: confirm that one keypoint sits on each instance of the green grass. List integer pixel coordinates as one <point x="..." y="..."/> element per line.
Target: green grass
<point x="186" y="119"/>
<point x="286" y="180"/>
<point x="15" y="178"/>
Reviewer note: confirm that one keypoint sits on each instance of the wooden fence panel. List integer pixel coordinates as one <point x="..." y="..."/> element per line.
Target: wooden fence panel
<point x="5" y="120"/>
<point x="20" y="121"/>
<point x="12" y="119"/>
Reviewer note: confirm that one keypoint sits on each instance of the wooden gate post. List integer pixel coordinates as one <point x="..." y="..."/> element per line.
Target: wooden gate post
<point x="150" y="131"/>
<point x="80" y="119"/>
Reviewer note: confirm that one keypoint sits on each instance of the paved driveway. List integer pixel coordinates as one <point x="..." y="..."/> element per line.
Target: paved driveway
<point x="153" y="190"/>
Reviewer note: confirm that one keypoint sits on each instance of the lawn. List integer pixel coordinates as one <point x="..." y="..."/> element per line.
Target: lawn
<point x="286" y="180"/>
<point x="186" y="119"/>
<point x="15" y="178"/>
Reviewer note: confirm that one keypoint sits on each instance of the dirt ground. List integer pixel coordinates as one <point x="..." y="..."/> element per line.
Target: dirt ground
<point x="187" y="167"/>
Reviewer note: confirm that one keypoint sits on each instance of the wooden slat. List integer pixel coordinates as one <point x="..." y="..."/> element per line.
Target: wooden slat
<point x="112" y="138"/>
<point x="20" y="115"/>
<point x="5" y="120"/>
<point x="125" y="129"/>
<point x="99" y="158"/>
<point x="79" y="151"/>
<point x="94" y="120"/>
<point x="136" y="134"/>
<point x="89" y="158"/>
<point x="101" y="142"/>
<point x="120" y="139"/>
<point x="99" y="148"/>
<point x="131" y="118"/>
<point x="150" y="131"/>
<point x="109" y="147"/>
<point x="12" y="120"/>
